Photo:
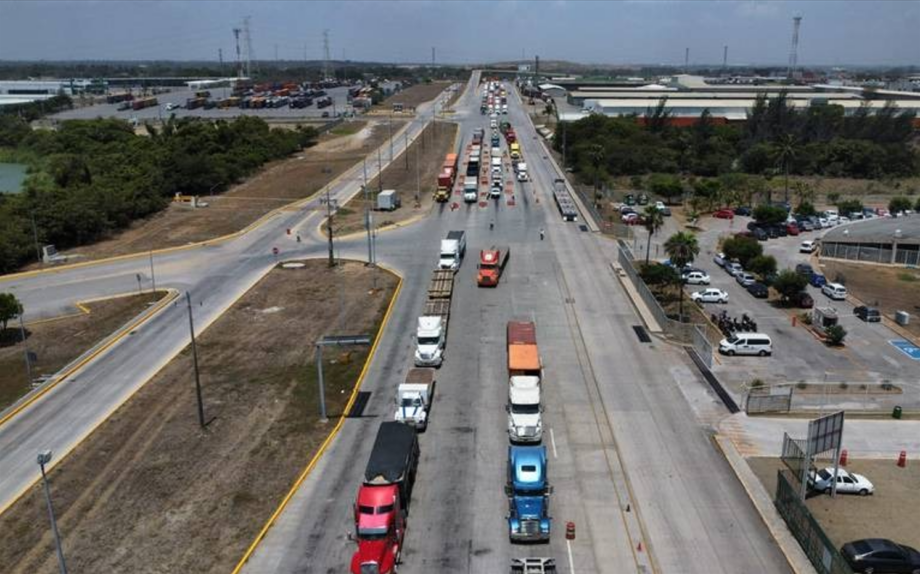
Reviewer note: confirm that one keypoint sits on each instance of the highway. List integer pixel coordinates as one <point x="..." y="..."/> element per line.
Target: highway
<point x="630" y="462"/>
<point x="216" y="275"/>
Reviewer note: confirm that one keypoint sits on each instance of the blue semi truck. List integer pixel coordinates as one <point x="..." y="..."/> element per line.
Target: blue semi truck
<point x="528" y="493"/>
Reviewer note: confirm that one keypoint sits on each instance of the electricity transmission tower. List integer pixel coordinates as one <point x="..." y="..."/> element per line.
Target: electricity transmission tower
<point x="794" y="52"/>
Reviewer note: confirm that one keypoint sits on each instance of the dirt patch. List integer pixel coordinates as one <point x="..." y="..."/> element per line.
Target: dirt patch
<point x="413" y="96"/>
<point x="278" y="184"/>
<point x="58" y="342"/>
<point x="889" y="289"/>
<point x="425" y="156"/>
<point x="889" y="513"/>
<point x="149" y="491"/>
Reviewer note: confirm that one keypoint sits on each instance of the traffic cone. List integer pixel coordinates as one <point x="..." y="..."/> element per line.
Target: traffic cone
<point x="639" y="547"/>
<point x="570" y="531"/>
<point x="844" y="455"/>
<point x="902" y="459"/>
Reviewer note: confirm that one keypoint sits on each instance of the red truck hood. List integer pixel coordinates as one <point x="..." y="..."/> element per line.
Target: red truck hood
<point x="379" y="551"/>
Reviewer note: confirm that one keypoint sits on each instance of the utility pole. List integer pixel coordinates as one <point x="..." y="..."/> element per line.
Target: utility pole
<point x="418" y="180"/>
<point x="191" y="328"/>
<point x="329" y="204"/>
<point x="44" y="458"/>
<point x="379" y="173"/>
<point x="407" y="150"/>
<point x="25" y="347"/>
<point x="390" y="132"/>
<point x="247" y="40"/>
<point x="153" y="279"/>
<point x="239" y="59"/>
<point x="432" y="56"/>
<point x="367" y="213"/>
<point x="38" y="251"/>
<point x="326" y="56"/>
<point x="686" y="60"/>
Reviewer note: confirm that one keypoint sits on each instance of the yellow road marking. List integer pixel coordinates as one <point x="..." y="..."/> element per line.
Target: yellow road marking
<point x="335" y="430"/>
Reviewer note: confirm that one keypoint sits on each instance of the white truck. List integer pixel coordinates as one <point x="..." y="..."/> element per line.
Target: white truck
<point x="525" y="420"/>
<point x="430" y="338"/>
<point x="413" y="398"/>
<point x="521" y="169"/>
<point x="470" y="189"/>
<point x="452" y="250"/>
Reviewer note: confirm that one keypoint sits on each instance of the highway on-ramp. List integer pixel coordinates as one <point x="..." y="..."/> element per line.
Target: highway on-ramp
<point x="216" y="275"/>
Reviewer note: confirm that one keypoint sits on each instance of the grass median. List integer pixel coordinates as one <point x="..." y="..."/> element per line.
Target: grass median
<point x="150" y="491"/>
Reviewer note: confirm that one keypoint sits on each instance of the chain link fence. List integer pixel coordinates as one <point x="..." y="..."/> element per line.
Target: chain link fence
<point x="811" y="537"/>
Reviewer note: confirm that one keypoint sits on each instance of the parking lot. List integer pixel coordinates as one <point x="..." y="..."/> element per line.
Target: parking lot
<point x="852" y="372"/>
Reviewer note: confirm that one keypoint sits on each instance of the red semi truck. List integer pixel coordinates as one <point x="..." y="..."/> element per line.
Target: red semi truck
<point x="491" y="266"/>
<point x="382" y="503"/>
<point x="447" y="177"/>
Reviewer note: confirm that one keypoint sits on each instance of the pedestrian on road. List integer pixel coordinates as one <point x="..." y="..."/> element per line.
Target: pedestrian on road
<point x="491" y="225"/>
<point x="541" y="234"/>
<point x="298" y="238"/>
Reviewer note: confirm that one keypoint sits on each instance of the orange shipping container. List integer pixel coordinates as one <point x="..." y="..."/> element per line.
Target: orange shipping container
<point x="523" y="360"/>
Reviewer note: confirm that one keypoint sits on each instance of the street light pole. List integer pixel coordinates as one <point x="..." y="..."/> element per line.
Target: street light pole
<point x="319" y="381"/>
<point x="25" y="348"/>
<point x="329" y="228"/>
<point x="44" y="458"/>
<point x="407" y="150"/>
<point x="153" y="279"/>
<point x="379" y="172"/>
<point x="418" y="177"/>
<point x="191" y="328"/>
<point x="390" y="132"/>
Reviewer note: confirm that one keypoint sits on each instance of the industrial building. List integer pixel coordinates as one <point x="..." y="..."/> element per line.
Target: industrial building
<point x="26" y="91"/>
<point x="886" y="240"/>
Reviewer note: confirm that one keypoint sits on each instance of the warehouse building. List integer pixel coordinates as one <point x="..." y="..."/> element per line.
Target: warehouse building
<point x="893" y="241"/>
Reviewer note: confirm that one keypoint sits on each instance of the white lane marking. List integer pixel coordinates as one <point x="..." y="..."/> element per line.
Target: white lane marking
<point x="552" y="438"/>
<point x="568" y="544"/>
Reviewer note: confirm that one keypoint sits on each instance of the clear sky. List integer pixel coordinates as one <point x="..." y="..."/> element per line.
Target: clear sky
<point x="637" y="31"/>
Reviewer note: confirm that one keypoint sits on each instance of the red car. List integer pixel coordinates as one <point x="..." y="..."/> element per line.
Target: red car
<point x="724" y="214"/>
<point x="631" y="219"/>
<point x="792" y="229"/>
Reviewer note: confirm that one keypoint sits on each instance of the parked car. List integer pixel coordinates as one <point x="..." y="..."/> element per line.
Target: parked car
<point x="847" y="482"/>
<point x="771" y="231"/>
<point x="806" y="225"/>
<point x="659" y="205"/>
<point x="817" y="280"/>
<point x="880" y="555"/>
<point x="808" y="246"/>
<point x="759" y="234"/>
<point x="868" y="314"/>
<point x="780" y="230"/>
<point x="804" y="269"/>
<point x="733" y="268"/>
<point x="666" y="211"/>
<point x="631" y="218"/>
<point x="758" y="290"/>
<point x="744" y="278"/>
<point x="696" y="278"/>
<point x="711" y="295"/>
<point x="724" y="214"/>
<point x="803" y="300"/>
<point x="630" y="199"/>
<point x="745" y="211"/>
<point x="747" y="344"/>
<point x="835" y="291"/>
<point x="792" y="229"/>
<point x="643" y="199"/>
<point x="719" y="259"/>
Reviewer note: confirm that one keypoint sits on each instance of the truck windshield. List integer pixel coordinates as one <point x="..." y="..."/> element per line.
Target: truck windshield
<point x="428" y="340"/>
<point x="372" y="533"/>
<point x="411" y="402"/>
<point x="525" y="409"/>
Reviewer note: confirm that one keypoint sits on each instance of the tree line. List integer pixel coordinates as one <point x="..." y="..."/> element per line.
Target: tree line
<point x="89" y="178"/>
<point x="776" y="139"/>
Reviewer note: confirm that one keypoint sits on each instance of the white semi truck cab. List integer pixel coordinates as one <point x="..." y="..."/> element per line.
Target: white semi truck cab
<point x="452" y="250"/>
<point x="431" y="337"/>
<point x="525" y="411"/>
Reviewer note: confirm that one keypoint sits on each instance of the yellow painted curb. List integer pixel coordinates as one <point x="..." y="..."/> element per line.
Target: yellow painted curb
<point x="332" y="434"/>
<point x="130" y="326"/>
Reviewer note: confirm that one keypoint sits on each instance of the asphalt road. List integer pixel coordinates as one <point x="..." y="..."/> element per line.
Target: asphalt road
<point x="620" y="429"/>
<point x="216" y="276"/>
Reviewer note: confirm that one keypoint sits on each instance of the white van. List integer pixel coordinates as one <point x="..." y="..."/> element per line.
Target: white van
<point x="496" y="165"/>
<point x="835" y="291"/>
<point x="747" y="344"/>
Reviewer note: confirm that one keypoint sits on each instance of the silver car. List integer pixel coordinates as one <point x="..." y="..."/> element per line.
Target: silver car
<point x="744" y="278"/>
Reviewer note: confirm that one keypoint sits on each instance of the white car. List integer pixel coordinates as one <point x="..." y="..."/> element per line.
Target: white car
<point x="712" y="295"/>
<point x="733" y="268"/>
<point x="719" y="259"/>
<point x="847" y="482"/>
<point x="495" y="192"/>
<point x="696" y="278"/>
<point x="171" y="106"/>
<point x="659" y="205"/>
<point x="745" y="279"/>
<point x="808" y="246"/>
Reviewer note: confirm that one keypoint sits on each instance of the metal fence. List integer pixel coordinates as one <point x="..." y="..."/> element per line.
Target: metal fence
<point x="811" y="537"/>
<point x="685" y="333"/>
<point x="772" y="399"/>
<point x="872" y="252"/>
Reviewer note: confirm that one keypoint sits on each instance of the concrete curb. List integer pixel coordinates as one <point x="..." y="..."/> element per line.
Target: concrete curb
<point x="650" y="323"/>
<point x="759" y="496"/>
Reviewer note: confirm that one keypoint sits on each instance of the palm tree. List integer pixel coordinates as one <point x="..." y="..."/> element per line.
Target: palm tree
<point x="597" y="156"/>
<point x="654" y="219"/>
<point x="786" y="152"/>
<point x="682" y="248"/>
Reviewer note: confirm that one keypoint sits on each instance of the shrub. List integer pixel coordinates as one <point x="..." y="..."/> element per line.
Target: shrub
<point x="835" y="335"/>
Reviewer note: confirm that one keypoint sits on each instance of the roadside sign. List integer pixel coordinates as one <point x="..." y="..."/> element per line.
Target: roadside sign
<point x="908" y="348"/>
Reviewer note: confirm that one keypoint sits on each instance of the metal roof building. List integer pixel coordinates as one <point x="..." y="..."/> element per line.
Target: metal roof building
<point x="891" y="240"/>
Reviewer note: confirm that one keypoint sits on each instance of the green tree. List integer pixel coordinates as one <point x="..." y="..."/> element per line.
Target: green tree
<point x="710" y="190"/>
<point x="666" y="186"/>
<point x="848" y="206"/>
<point x="898" y="204"/>
<point x="10" y="308"/>
<point x="682" y="248"/>
<point x="917" y="205"/>
<point x="769" y="214"/>
<point x="835" y="335"/>
<point x="654" y="219"/>
<point x="658" y="274"/>
<point x="833" y="197"/>
<point x="789" y="284"/>
<point x="743" y="249"/>
<point x="762" y="265"/>
<point x="806" y="209"/>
